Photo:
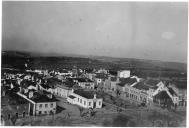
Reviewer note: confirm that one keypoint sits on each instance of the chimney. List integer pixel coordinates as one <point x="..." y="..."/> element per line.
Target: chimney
<point x="37" y="86"/>
<point x="50" y="96"/>
<point x="30" y="94"/>
<point x="117" y="79"/>
<point x="32" y="78"/>
<point x="18" y="81"/>
<point x="11" y="85"/>
<point x="94" y="96"/>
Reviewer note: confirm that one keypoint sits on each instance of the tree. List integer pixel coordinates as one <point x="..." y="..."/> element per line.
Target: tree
<point x="111" y="97"/>
<point x="91" y="112"/>
<point x="14" y="119"/>
<point x="169" y="104"/>
<point x="52" y="113"/>
<point x="117" y="92"/>
<point x="175" y="106"/>
<point x="81" y="110"/>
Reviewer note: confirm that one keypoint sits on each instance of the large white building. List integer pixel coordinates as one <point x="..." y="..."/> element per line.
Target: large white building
<point x="85" y="99"/>
<point x="85" y="83"/>
<point x="62" y="91"/>
<point x="39" y="104"/>
<point x="123" y="74"/>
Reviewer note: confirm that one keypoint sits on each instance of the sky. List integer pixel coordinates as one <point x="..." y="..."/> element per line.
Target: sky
<point x="144" y="30"/>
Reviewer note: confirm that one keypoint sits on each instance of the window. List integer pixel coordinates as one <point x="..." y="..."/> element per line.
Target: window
<point x="9" y="116"/>
<point x="24" y="113"/>
<point x="46" y="105"/>
<point x="45" y="112"/>
<point x="39" y="112"/>
<point x="40" y="105"/>
<point x="99" y="103"/>
<point x="89" y="103"/>
<point x="84" y="102"/>
<point x="80" y="100"/>
<point x="17" y="115"/>
<point x="51" y="105"/>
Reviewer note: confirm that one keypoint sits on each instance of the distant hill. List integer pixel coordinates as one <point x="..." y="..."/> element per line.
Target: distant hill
<point x="16" y="59"/>
<point x="120" y="63"/>
<point x="15" y="54"/>
<point x="142" y="63"/>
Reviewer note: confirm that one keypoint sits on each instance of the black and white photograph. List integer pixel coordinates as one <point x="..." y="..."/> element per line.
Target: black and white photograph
<point x="94" y="63"/>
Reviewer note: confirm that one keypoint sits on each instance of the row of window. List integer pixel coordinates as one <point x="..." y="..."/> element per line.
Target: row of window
<point x="88" y="87"/>
<point x="83" y="101"/>
<point x="45" y="105"/>
<point x="134" y="96"/>
<point x="44" y="112"/>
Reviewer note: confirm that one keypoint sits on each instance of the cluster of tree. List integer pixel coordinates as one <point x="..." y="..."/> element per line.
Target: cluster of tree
<point x="86" y="112"/>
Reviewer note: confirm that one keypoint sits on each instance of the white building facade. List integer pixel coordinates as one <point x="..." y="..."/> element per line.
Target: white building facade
<point x="123" y="74"/>
<point x="85" y="102"/>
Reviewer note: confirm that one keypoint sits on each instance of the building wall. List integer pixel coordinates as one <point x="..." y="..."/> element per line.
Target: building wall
<point x="113" y="86"/>
<point x="72" y="101"/>
<point x="124" y="74"/>
<point x="63" y="92"/>
<point x="90" y="76"/>
<point x="45" y="108"/>
<point x="133" y="94"/>
<point x="85" y="84"/>
<point x="84" y="102"/>
<point x="162" y="87"/>
<point x="98" y="81"/>
<point x="107" y="85"/>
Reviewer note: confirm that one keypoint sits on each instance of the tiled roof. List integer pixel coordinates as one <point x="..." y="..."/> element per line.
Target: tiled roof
<point x="64" y="86"/>
<point x="46" y="86"/>
<point x="27" y="83"/>
<point x="64" y="71"/>
<point x="68" y="83"/>
<point x="129" y="81"/>
<point x="45" y="92"/>
<point x="162" y="95"/>
<point x="152" y="82"/>
<point x="172" y="91"/>
<point x="141" y="86"/>
<point x="52" y="82"/>
<point x="86" y="94"/>
<point x="41" y="97"/>
<point x="144" y="92"/>
<point x="71" y="96"/>
<point x="101" y="76"/>
<point x="113" y="78"/>
<point x="18" y="99"/>
<point x="83" y="80"/>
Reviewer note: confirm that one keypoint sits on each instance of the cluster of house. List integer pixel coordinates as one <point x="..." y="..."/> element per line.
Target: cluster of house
<point x="39" y="88"/>
<point x="147" y="91"/>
